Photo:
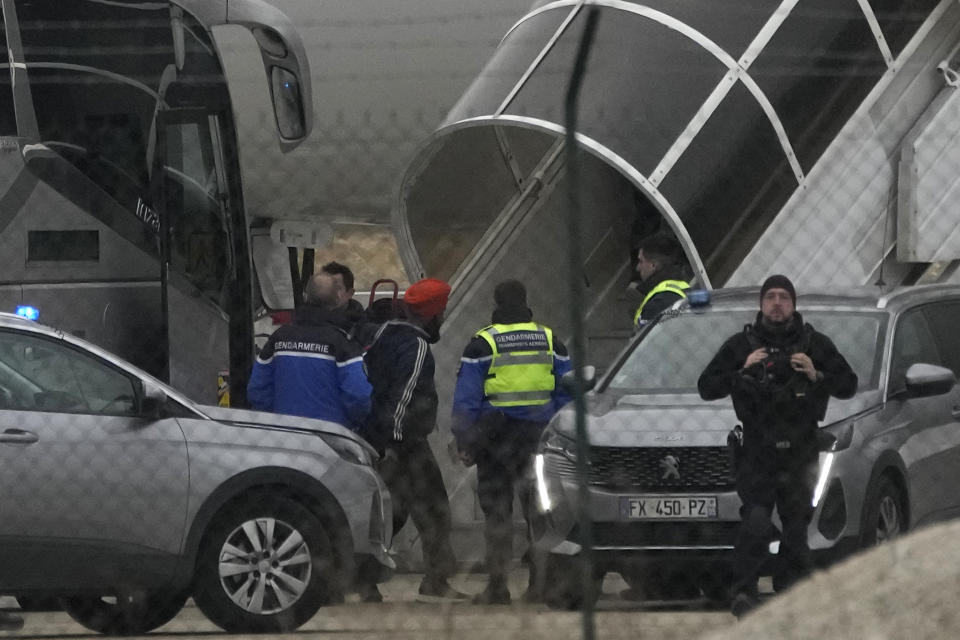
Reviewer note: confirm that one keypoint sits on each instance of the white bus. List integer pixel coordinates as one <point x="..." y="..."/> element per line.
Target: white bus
<point x="121" y="210"/>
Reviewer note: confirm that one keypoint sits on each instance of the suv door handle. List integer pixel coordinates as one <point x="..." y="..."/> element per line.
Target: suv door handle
<point x="956" y="412"/>
<point x="18" y="436"/>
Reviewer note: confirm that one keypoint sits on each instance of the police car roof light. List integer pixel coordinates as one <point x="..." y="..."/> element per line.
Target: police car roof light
<point x="698" y="297"/>
<point x="28" y="312"/>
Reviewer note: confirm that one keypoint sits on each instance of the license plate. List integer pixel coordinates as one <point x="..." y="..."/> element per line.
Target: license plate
<point x="668" y="507"/>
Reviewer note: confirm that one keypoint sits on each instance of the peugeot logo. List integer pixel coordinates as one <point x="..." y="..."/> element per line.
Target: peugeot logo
<point x="671" y="468"/>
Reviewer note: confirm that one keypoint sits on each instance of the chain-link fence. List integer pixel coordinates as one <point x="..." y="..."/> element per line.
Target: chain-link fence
<point x="624" y="426"/>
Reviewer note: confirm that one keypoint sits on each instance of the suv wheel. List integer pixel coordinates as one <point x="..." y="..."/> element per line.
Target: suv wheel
<point x="715" y="583"/>
<point x="660" y="583"/>
<point x="563" y="587"/>
<point x="265" y="565"/>
<point x="885" y="514"/>
<point x="39" y="603"/>
<point x="128" y="614"/>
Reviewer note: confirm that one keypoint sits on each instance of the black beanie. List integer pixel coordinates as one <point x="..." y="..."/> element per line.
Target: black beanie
<point x="510" y="294"/>
<point x="779" y="282"/>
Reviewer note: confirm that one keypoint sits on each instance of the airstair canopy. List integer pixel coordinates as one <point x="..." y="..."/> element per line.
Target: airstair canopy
<point x="698" y="117"/>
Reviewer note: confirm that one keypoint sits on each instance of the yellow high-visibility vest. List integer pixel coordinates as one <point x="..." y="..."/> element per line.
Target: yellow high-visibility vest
<point x="673" y="286"/>
<point x="521" y="372"/>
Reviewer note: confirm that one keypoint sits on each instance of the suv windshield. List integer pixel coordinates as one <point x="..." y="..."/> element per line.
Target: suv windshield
<point x="673" y="353"/>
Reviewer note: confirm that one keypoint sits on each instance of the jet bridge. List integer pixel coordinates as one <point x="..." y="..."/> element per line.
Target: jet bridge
<point x="699" y="118"/>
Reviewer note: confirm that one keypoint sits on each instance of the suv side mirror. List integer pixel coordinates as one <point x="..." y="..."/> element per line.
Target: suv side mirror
<point x="568" y="382"/>
<point x="153" y="402"/>
<point x="924" y="380"/>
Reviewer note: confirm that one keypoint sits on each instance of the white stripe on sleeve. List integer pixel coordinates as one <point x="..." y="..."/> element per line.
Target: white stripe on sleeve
<point x="408" y="390"/>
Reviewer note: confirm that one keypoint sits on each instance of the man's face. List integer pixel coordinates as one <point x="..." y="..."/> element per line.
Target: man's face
<point x="776" y="305"/>
<point x="343" y="294"/>
<point x="432" y="327"/>
<point x="645" y="267"/>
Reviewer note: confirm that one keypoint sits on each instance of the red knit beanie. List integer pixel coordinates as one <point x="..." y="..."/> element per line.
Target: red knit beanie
<point x="428" y="297"/>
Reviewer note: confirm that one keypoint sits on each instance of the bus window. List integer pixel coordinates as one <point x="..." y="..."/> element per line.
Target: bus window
<point x="199" y="227"/>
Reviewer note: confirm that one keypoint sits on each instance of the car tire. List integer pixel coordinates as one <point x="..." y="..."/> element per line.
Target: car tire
<point x="265" y="565"/>
<point x="563" y="587"/>
<point x="660" y="583"/>
<point x="124" y="615"/>
<point x="39" y="603"/>
<point x="884" y="514"/>
<point x="715" y="583"/>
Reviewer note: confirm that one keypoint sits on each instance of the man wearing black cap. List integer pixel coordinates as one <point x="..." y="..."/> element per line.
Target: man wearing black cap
<point x="780" y="373"/>
<point x="507" y="390"/>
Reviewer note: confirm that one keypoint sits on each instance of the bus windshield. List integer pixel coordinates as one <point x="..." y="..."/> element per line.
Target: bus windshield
<point x="97" y="106"/>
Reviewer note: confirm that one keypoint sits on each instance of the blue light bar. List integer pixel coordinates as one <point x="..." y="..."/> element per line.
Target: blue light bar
<point x="30" y="313"/>
<point x="698" y="297"/>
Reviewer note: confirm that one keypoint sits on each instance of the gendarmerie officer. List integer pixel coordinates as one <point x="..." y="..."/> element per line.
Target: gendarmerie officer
<point x="662" y="279"/>
<point x="507" y="390"/>
<point x="311" y="368"/>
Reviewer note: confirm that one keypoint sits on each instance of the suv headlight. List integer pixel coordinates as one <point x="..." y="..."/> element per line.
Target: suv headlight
<point x="555" y="442"/>
<point x="350" y="450"/>
<point x="833" y="439"/>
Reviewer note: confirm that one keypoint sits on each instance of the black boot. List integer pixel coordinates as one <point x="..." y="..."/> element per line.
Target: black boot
<point x="534" y="592"/>
<point x="369" y="592"/>
<point x="743" y="603"/>
<point x="438" y="590"/>
<point x="496" y="592"/>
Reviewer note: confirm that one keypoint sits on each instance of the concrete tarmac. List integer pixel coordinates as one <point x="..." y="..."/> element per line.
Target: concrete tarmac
<point x="400" y="616"/>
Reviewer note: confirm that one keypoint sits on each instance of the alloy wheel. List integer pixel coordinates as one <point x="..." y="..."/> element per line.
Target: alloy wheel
<point x="888" y="519"/>
<point x="265" y="566"/>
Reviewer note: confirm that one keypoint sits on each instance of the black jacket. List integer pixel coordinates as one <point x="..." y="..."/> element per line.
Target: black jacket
<point x="776" y="404"/>
<point x="400" y="367"/>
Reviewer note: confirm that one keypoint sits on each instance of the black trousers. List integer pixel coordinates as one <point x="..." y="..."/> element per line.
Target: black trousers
<point x="784" y="479"/>
<point x="417" y="491"/>
<point x="502" y="458"/>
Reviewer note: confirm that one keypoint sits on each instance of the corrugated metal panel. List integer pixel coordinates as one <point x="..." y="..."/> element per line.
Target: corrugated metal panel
<point x="713" y="118"/>
<point x="928" y="216"/>
<point x="846" y="208"/>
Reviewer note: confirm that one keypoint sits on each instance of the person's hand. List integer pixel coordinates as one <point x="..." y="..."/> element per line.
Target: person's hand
<point x="802" y="363"/>
<point x="466" y="458"/>
<point x="755" y="357"/>
<point x="388" y="463"/>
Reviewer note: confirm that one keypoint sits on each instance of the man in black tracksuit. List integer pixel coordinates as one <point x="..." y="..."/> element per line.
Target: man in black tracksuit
<point x="780" y="373"/>
<point x="401" y="369"/>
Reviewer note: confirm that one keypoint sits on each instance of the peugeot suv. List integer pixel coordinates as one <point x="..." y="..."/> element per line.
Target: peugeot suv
<point x="660" y="475"/>
<point x="122" y="497"/>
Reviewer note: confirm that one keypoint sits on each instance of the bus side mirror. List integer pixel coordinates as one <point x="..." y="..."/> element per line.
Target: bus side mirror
<point x="284" y="59"/>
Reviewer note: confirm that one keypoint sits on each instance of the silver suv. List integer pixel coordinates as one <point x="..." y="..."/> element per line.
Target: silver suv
<point x="661" y="481"/>
<point x="124" y="498"/>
